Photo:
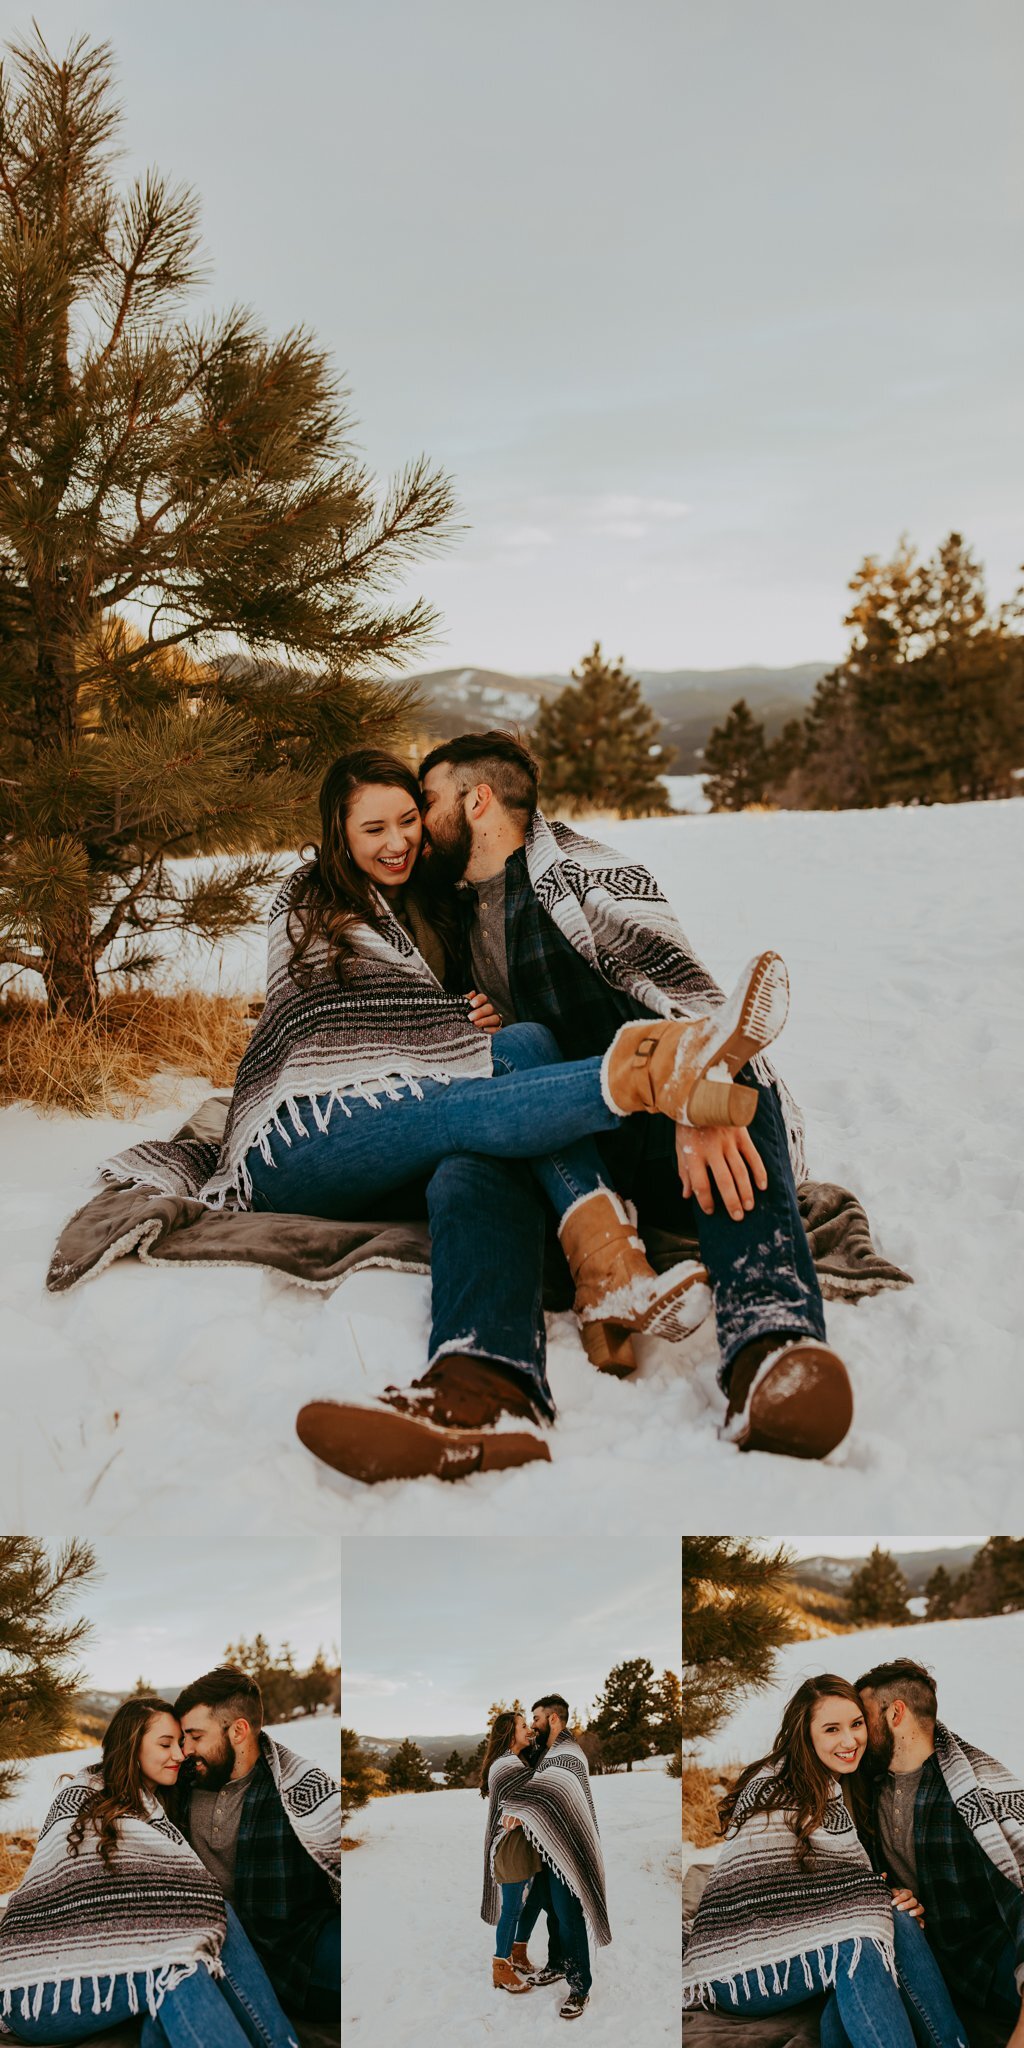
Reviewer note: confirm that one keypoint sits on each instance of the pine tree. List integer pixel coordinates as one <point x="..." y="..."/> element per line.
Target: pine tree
<point x="598" y="745"/>
<point x="626" y="1712"/>
<point x="38" y="1677"/>
<point x="994" y="1584"/>
<point x="407" y="1770"/>
<point x="318" y="1686"/>
<point x="939" y="1594"/>
<point x="455" y="1771"/>
<point x="734" y="1621"/>
<point x="736" y="761"/>
<point x="193" y="559"/>
<point x="668" y="1694"/>
<point x="356" y="1771"/>
<point x="879" y="1591"/>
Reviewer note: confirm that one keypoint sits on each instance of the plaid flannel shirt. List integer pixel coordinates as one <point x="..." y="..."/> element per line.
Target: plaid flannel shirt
<point x="283" y="1899"/>
<point x="550" y="983"/>
<point x="971" y="1909"/>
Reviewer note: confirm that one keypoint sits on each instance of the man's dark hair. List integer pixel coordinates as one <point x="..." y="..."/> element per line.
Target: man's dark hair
<point x="228" y="1692"/>
<point x="496" y="758"/>
<point x="553" y="1699"/>
<point x="902" y="1680"/>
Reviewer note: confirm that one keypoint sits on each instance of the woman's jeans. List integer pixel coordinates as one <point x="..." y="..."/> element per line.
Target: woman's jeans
<point x="865" y="2010"/>
<point x="238" y="2010"/>
<point x="512" y="1896"/>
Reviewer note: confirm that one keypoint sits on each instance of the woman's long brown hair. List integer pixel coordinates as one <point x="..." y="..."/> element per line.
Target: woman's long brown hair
<point x="801" y="1784"/>
<point x="499" y="1742"/>
<point x="119" y="1791"/>
<point x="330" y="894"/>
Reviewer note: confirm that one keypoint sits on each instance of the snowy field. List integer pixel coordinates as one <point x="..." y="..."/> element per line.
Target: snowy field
<point x="978" y="1667"/>
<point x="415" y="1944"/>
<point x="316" y="1738"/>
<point x="900" y="929"/>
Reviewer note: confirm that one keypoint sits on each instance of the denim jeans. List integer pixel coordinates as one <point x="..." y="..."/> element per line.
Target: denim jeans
<point x="1002" y="1998"/>
<point x="538" y="1901"/>
<point x="572" y="1935"/>
<point x="512" y="1896"/>
<point x="238" y="2010"/>
<point x="865" y="2010"/>
<point x="323" y="1992"/>
<point x="487" y="1269"/>
<point x="760" y="1267"/>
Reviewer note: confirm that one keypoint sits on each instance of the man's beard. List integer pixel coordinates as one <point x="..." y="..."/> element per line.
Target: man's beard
<point x="880" y="1752"/>
<point x="450" y="846"/>
<point x="210" y="1772"/>
<point x="534" y="1750"/>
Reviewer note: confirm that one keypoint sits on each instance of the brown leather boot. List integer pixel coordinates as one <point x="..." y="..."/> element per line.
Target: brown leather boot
<point x="791" y="1396"/>
<point x="506" y="1978"/>
<point x="443" y="1427"/>
<point x="520" y="1956"/>
<point x="684" y="1068"/>
<point x="615" y="1282"/>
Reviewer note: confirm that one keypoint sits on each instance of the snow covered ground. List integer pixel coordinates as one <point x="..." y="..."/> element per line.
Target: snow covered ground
<point x="316" y="1737"/>
<point x="978" y="1667"/>
<point x="900" y="929"/>
<point x="415" y="1945"/>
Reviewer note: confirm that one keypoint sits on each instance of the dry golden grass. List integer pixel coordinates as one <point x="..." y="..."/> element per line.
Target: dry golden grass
<point x="15" y="1856"/>
<point x="700" y="1806"/>
<point x="104" y="1064"/>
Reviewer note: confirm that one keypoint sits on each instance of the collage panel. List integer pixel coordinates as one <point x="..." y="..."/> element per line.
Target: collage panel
<point x="853" y="1792"/>
<point x="510" y="1788"/>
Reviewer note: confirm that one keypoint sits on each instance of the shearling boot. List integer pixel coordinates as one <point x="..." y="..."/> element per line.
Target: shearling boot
<point x="615" y="1283"/>
<point x="448" y="1426"/>
<point x="521" y="1957"/>
<point x="685" y="1067"/>
<point x="789" y="1395"/>
<point x="506" y="1978"/>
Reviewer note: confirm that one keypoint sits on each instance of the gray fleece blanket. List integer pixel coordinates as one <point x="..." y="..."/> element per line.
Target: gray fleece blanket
<point x="174" y="1228"/>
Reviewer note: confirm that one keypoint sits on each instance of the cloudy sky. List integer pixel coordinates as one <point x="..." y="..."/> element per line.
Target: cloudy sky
<point x="434" y="1631"/>
<point x="697" y="304"/>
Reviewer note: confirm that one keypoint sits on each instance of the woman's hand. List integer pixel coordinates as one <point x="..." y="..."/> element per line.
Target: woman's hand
<point x="905" y="1902"/>
<point x="510" y="1821"/>
<point x="482" y="1012"/>
<point x="728" y="1157"/>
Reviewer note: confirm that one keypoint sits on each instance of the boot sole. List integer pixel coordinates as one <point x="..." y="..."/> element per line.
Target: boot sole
<point x="667" y="1318"/>
<point x="377" y="1444"/>
<point x="753" y="1016"/>
<point x="802" y="1413"/>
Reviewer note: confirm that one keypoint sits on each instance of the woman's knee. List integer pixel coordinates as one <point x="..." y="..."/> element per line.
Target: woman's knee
<point x="525" y="1045"/>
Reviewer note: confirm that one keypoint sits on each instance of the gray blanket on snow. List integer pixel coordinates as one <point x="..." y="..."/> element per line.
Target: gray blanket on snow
<point x="174" y="1228"/>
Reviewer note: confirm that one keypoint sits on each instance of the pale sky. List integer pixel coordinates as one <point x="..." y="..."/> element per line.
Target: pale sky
<point x="434" y="1630"/>
<point x="698" y="304"/>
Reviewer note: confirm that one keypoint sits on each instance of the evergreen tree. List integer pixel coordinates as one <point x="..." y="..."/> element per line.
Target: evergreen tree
<point x="626" y="1712"/>
<point x="192" y="558"/>
<point x="473" y="1767"/>
<point x="879" y="1591"/>
<point x="940" y="1595"/>
<point x="455" y="1771"/>
<point x="38" y="1677"/>
<point x="734" y="1620"/>
<point x="318" y="1686"/>
<point x="142" y="1690"/>
<point x="668" y="1695"/>
<point x="357" y="1769"/>
<point x="408" y="1770"/>
<point x="597" y="744"/>
<point x="736" y="761"/>
<point x="994" y="1584"/>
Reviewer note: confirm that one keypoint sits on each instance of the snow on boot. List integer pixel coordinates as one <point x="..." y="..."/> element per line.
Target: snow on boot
<point x="791" y="1396"/>
<point x="505" y="1978"/>
<point x="465" y="1416"/>
<point x="685" y="1067"/>
<point x="521" y="1958"/>
<point x="550" y="1974"/>
<point x="575" y="2005"/>
<point x="616" y="1284"/>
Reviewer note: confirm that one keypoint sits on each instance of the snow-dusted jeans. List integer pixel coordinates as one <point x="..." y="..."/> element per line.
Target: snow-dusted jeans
<point x="572" y="1936"/>
<point x="865" y="2010"/>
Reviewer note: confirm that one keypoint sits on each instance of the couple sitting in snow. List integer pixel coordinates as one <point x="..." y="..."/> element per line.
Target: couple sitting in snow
<point x="872" y="1857"/>
<point x="542" y="1853"/>
<point x="190" y="1877"/>
<point x="469" y="1003"/>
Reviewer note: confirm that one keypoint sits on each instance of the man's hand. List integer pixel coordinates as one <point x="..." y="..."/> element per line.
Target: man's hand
<point x="905" y="1902"/>
<point x="510" y="1821"/>
<point x="726" y="1156"/>
<point x="482" y="1012"/>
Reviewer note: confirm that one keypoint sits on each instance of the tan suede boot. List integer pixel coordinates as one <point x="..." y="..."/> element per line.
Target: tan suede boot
<point x="791" y="1396"/>
<point x="521" y="1956"/>
<point x="615" y="1283"/>
<point x="506" y="1978"/>
<point x="455" y="1422"/>
<point x="684" y="1068"/>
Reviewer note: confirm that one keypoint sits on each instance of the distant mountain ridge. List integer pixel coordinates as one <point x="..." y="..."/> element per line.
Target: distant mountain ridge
<point x="436" y="1748"/>
<point x="688" y="701"/>
<point x="833" y="1574"/>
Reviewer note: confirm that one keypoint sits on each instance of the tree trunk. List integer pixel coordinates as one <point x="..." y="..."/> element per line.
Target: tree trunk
<point x="70" y="971"/>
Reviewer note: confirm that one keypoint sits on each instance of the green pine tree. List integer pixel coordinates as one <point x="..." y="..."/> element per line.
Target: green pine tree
<point x="736" y="761"/>
<point x="598" y="744"/>
<point x="940" y="1595"/>
<point x="193" y="559"/>
<point x="879" y="1591"/>
<point x="994" y="1584"/>
<point x="455" y="1771"/>
<point x="357" y="1768"/>
<point x="38" y="1645"/>
<point x="734" y="1620"/>
<point x="626" y="1712"/>
<point x="407" y="1770"/>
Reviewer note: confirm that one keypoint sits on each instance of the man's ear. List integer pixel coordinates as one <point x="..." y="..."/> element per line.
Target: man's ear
<point x="480" y="797"/>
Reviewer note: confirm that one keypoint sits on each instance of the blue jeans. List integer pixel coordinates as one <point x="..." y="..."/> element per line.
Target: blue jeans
<point x="538" y="1901"/>
<point x="238" y="2010"/>
<point x="1002" y="1999"/>
<point x="572" y="1935"/>
<point x="865" y="2010"/>
<point x="512" y="1896"/>
<point x="323" y="1992"/>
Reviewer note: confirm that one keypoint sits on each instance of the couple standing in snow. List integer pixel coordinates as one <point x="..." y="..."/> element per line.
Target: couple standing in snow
<point x="542" y="1853"/>
<point x="189" y="1878"/>
<point x="874" y="1858"/>
<point x="476" y="1010"/>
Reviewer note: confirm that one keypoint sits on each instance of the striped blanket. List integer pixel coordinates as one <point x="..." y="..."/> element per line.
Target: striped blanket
<point x="312" y="1804"/>
<point x="556" y="1810"/>
<point x="760" y="1911"/>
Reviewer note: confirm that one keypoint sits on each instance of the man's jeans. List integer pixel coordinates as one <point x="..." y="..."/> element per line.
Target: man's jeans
<point x="760" y="1267"/>
<point x="1002" y="1998"/>
<point x="865" y="2010"/>
<point x="238" y="2010"/>
<point x="538" y="1901"/>
<point x="572" y="1935"/>
<point x="323" y="1992"/>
